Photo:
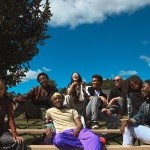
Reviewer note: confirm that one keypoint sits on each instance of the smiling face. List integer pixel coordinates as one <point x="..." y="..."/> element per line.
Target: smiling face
<point x="75" y="77"/>
<point x="134" y="85"/>
<point x="57" y="100"/>
<point x="118" y="81"/>
<point x="96" y="83"/>
<point x="43" y="80"/>
<point x="146" y="89"/>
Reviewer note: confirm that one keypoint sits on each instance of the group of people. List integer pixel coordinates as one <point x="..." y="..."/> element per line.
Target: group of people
<point x="130" y="96"/>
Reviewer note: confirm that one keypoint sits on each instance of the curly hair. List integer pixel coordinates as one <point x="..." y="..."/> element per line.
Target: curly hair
<point x="40" y="74"/>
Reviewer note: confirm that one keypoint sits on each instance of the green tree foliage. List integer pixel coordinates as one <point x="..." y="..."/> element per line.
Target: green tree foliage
<point x="108" y="84"/>
<point x="23" y="26"/>
<point x="63" y="90"/>
<point x="52" y="83"/>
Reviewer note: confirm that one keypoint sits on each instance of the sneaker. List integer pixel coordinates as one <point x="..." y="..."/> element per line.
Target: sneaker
<point x="94" y="125"/>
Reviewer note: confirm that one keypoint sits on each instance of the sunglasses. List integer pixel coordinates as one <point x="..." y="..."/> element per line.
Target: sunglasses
<point x="117" y="80"/>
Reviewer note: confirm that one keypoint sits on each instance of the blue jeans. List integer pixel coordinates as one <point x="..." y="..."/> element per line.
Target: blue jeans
<point x="140" y="132"/>
<point x="93" y="113"/>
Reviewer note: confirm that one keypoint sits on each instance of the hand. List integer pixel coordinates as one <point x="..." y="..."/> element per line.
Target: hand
<point x="18" y="139"/>
<point x="107" y="111"/>
<point x="76" y="132"/>
<point x="123" y="125"/>
<point x="103" y="99"/>
<point x="48" y="132"/>
<point x="113" y="100"/>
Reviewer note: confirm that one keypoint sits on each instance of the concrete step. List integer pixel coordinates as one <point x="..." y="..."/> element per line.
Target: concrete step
<point x="107" y="147"/>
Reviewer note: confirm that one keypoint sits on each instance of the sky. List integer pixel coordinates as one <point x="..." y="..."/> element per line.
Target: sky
<point x="93" y="37"/>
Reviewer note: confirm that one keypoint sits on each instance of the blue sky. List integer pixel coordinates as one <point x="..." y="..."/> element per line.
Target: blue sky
<point x="93" y="36"/>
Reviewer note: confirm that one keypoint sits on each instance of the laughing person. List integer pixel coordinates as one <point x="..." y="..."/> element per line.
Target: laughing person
<point x="139" y="125"/>
<point x="69" y="131"/>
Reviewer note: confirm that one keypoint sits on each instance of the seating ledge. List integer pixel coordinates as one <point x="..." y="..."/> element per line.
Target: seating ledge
<point x="41" y="131"/>
<point x="107" y="147"/>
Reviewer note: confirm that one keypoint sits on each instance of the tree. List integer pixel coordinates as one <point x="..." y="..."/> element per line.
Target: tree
<point x="63" y="90"/>
<point x="23" y="26"/>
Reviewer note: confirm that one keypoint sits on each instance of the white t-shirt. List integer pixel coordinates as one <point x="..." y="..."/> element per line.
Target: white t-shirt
<point x="63" y="119"/>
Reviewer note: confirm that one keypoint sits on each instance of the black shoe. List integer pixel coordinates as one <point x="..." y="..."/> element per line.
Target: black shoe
<point x="94" y="125"/>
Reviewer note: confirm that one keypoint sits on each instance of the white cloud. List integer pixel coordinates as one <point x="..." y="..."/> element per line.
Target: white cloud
<point x="32" y="74"/>
<point x="146" y="59"/>
<point x="127" y="73"/>
<point x="76" y="12"/>
<point x="46" y="69"/>
<point x="145" y="42"/>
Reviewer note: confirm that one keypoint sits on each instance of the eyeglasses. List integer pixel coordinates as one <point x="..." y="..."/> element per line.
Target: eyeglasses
<point x="117" y="80"/>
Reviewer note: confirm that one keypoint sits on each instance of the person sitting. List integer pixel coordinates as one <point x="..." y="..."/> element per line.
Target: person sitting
<point x="116" y="102"/>
<point x="76" y="97"/>
<point x="96" y="108"/>
<point x="35" y="103"/>
<point x="68" y="126"/>
<point x="8" y="140"/>
<point x="132" y="94"/>
<point x="138" y="126"/>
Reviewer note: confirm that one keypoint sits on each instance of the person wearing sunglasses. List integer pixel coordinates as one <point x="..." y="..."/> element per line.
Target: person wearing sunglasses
<point x="115" y="100"/>
<point x="138" y="126"/>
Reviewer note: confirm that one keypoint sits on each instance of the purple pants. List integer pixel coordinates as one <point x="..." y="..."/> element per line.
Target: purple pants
<point x="86" y="140"/>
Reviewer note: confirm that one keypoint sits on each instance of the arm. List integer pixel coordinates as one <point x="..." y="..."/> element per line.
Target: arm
<point x="103" y="98"/>
<point x="112" y="101"/>
<point x="12" y="124"/>
<point x="71" y="88"/>
<point x="25" y="97"/>
<point x="135" y="120"/>
<point x="79" y="126"/>
<point x="49" y="125"/>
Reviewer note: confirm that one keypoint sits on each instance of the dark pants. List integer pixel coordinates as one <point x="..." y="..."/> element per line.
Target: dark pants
<point x="7" y="142"/>
<point x="31" y="110"/>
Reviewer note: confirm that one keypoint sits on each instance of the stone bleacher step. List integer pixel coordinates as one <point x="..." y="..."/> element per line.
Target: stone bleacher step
<point x="41" y="131"/>
<point x="107" y="147"/>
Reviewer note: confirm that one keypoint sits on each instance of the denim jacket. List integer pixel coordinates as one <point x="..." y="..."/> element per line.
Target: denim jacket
<point x="143" y="116"/>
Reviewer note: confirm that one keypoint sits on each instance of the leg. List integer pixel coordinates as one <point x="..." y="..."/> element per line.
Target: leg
<point x="90" y="140"/>
<point x="7" y="142"/>
<point x="140" y="132"/>
<point x="112" y="119"/>
<point x="19" y="109"/>
<point x="127" y="137"/>
<point x="66" y="141"/>
<point x="92" y="109"/>
<point x="32" y="111"/>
